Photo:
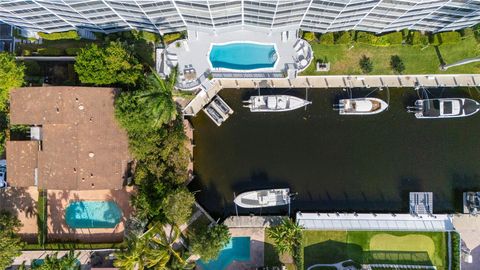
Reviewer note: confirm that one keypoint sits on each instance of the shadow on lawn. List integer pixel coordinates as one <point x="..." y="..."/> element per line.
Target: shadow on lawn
<point x="330" y="252"/>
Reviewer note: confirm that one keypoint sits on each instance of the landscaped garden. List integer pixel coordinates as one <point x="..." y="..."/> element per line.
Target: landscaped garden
<point x="376" y="247"/>
<point x="420" y="54"/>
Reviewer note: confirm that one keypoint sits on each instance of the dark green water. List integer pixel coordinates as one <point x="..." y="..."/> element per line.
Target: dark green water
<point x="336" y="163"/>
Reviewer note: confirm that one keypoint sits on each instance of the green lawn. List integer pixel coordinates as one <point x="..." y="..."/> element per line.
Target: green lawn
<point x="417" y="60"/>
<point x="421" y="248"/>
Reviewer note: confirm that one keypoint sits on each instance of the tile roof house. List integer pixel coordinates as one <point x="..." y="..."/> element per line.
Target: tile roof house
<point x="76" y="143"/>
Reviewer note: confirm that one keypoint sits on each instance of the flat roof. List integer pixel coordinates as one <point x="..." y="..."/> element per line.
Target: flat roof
<point x="82" y="146"/>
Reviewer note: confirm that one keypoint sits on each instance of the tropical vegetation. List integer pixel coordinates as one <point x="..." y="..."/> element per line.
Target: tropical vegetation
<point x="10" y="242"/>
<point x="112" y="64"/>
<point x="11" y="76"/>
<point x="69" y="261"/>
<point x="287" y="239"/>
<point x="209" y="241"/>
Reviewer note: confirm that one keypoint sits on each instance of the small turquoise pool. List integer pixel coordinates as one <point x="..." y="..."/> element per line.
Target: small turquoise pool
<point x="237" y="250"/>
<point x="92" y="214"/>
<point x="243" y="56"/>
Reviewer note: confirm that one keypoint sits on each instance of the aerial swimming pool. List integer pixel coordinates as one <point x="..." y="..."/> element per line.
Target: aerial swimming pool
<point x="92" y="214"/>
<point x="243" y="56"/>
<point x="237" y="250"/>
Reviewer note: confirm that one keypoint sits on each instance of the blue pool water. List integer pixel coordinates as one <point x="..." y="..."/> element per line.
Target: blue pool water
<point x="93" y="214"/>
<point x="243" y="56"/>
<point x="237" y="250"/>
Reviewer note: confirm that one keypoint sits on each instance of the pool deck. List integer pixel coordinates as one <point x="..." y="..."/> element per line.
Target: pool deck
<point x="22" y="202"/>
<point x="469" y="228"/>
<point x="195" y="50"/>
<point x="58" y="200"/>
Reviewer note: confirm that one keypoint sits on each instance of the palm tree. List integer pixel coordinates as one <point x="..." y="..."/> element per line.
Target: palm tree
<point x="132" y="258"/>
<point x="286" y="236"/>
<point x="164" y="242"/>
<point x="158" y="97"/>
<point x="68" y="261"/>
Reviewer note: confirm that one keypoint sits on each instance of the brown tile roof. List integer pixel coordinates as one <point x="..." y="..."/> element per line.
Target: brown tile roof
<point x="82" y="146"/>
<point x="22" y="161"/>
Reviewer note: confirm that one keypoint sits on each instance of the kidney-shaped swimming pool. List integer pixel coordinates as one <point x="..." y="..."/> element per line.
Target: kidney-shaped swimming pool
<point x="243" y="56"/>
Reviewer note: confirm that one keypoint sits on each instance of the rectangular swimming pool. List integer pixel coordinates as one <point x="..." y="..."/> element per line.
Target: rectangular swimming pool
<point x="243" y="56"/>
<point x="237" y="250"/>
<point x="92" y="214"/>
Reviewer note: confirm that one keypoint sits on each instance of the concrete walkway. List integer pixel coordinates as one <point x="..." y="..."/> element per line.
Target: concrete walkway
<point x="340" y="81"/>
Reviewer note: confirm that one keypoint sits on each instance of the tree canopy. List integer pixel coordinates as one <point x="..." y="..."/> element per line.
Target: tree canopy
<point x="11" y="76"/>
<point x="68" y="261"/>
<point x="178" y="206"/>
<point x="10" y="243"/>
<point x="113" y="64"/>
<point x="209" y="241"/>
<point x="286" y="236"/>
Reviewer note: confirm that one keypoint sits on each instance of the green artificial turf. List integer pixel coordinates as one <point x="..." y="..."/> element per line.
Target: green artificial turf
<point x="418" y="248"/>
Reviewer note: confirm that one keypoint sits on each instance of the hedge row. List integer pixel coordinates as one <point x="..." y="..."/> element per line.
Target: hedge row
<point x="76" y="246"/>
<point x="395" y="38"/>
<point x="169" y="38"/>
<point x="60" y="35"/>
<point x="51" y="51"/>
<point x="456" y="252"/>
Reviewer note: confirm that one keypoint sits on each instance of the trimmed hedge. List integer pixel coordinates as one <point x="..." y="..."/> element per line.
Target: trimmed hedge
<point x="451" y="37"/>
<point x="60" y="35"/>
<point x="169" y="38"/>
<point x="51" y="51"/>
<point x="456" y="252"/>
<point x="417" y="38"/>
<point x="309" y="36"/>
<point x="72" y="51"/>
<point x="394" y="38"/>
<point x="327" y="39"/>
<point x="42" y="217"/>
<point x="76" y="246"/>
<point x="343" y="38"/>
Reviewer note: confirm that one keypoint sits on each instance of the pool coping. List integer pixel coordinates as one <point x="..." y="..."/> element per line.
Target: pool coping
<point x="240" y="70"/>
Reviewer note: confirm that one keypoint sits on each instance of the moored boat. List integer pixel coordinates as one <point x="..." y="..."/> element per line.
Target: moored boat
<point x="360" y="106"/>
<point x="263" y="198"/>
<point x="275" y="103"/>
<point x="444" y="108"/>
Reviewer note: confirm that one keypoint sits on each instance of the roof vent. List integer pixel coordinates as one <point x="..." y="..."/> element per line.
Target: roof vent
<point x="91" y="154"/>
<point x="81" y="107"/>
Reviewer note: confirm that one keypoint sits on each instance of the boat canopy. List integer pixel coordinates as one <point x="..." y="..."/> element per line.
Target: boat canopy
<point x="363" y="105"/>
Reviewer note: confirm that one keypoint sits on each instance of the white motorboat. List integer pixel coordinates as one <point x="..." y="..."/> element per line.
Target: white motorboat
<point x="444" y="108"/>
<point x="263" y="198"/>
<point x="360" y="106"/>
<point x="275" y="103"/>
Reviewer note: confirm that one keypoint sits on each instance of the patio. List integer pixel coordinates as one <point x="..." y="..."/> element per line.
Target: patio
<point x="191" y="55"/>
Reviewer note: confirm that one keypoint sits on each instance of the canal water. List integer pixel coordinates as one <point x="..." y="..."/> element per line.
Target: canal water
<point x="336" y="163"/>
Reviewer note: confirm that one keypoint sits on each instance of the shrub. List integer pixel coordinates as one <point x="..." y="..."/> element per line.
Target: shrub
<point x="416" y="38"/>
<point x="309" y="36"/>
<point x="394" y="38"/>
<point x="169" y="38"/>
<point x="52" y="51"/>
<point x="451" y="37"/>
<point x="208" y="242"/>
<point x="149" y="36"/>
<point x="32" y="68"/>
<point x="343" y="38"/>
<point x="26" y="53"/>
<point x="366" y="64"/>
<point x="72" y="51"/>
<point x="466" y="32"/>
<point x="366" y="38"/>
<point x="327" y="39"/>
<point x="456" y="251"/>
<point x="60" y="35"/>
<point x="396" y="64"/>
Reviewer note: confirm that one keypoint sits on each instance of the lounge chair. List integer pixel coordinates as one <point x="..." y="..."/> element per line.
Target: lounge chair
<point x="298" y="45"/>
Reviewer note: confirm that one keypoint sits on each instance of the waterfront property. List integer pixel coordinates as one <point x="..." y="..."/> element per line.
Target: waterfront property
<point x="76" y="158"/>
